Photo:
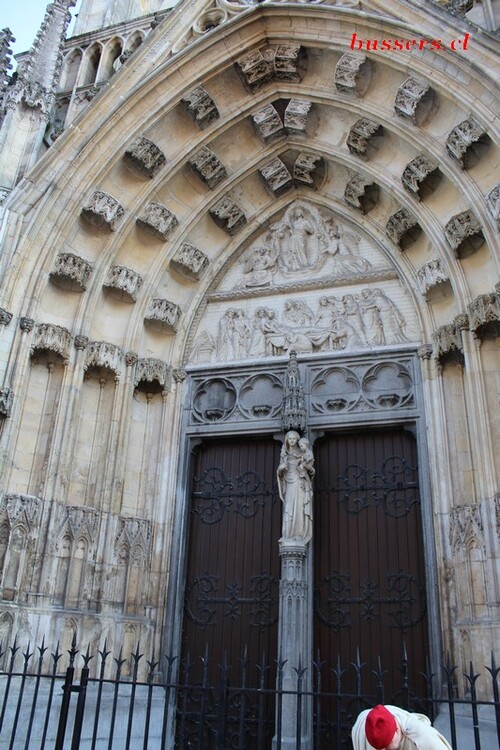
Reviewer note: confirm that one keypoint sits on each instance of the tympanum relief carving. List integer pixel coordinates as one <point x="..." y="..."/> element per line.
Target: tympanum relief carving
<point x="299" y="257"/>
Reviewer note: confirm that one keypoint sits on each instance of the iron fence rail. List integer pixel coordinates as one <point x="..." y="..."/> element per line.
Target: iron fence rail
<point x="108" y="703"/>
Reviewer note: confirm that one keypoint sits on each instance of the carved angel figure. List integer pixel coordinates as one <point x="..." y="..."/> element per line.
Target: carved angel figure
<point x="295" y="474"/>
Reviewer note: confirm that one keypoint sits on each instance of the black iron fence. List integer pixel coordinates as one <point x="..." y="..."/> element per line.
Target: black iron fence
<point x="99" y="702"/>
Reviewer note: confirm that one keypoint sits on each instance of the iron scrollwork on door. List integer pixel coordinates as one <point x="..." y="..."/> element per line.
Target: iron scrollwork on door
<point x="404" y="598"/>
<point x="204" y="601"/>
<point x="214" y="493"/>
<point x="395" y="487"/>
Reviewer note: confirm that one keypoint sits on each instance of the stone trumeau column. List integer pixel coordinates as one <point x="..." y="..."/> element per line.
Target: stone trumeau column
<point x="295" y="474"/>
<point x="29" y="99"/>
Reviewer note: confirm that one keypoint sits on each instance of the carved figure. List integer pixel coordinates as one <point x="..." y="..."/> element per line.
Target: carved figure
<point x="295" y="474"/>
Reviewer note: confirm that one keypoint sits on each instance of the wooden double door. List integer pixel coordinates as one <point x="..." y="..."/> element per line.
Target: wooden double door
<point x="368" y="580"/>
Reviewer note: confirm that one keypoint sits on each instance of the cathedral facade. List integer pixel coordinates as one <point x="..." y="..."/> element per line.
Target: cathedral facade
<point x="204" y="207"/>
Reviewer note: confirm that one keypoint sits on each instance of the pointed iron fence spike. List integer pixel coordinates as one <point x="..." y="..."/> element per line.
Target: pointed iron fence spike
<point x="405" y="653"/>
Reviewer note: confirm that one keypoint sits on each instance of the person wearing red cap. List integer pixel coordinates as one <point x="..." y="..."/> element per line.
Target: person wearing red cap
<point x="393" y="728"/>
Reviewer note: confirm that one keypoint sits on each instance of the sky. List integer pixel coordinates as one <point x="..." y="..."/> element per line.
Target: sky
<point x="24" y="17"/>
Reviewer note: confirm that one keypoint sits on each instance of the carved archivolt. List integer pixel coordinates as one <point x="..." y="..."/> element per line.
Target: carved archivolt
<point x="484" y="314"/>
<point x="271" y="63"/>
<point x="447" y="343"/>
<point x="369" y="318"/>
<point x="403" y="228"/>
<point x="464" y="233"/>
<point x="157" y="220"/>
<point x="493" y="203"/>
<point x="466" y="527"/>
<point x="53" y="338"/>
<point x="103" y="354"/>
<point x="144" y="158"/>
<point x="361" y="193"/>
<point x="163" y="315"/>
<point x="152" y="371"/>
<point x="360" y="134"/>
<point x="421" y="176"/>
<point x="123" y="282"/>
<point x="466" y="143"/>
<point x="270" y="126"/>
<point x="6" y="402"/>
<point x="227" y="215"/>
<point x="189" y="261"/>
<point x="208" y="167"/>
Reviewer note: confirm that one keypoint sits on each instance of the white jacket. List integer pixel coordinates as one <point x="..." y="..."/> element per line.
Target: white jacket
<point x="418" y="732"/>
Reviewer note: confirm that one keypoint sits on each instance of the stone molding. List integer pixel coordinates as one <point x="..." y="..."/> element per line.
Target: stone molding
<point x="201" y="107"/>
<point x="102" y="210"/>
<point x="5" y="317"/>
<point x="484" y="315"/>
<point x="163" y="315"/>
<point x="421" y="176"/>
<point x="157" y="220"/>
<point x="189" y="261"/>
<point x="123" y="283"/>
<point x="464" y="143"/>
<point x="353" y="73"/>
<point x="6" y="402"/>
<point x="466" y="527"/>
<point x="360" y="135"/>
<point x="144" y="158"/>
<point x="493" y="203"/>
<point x="52" y="338"/>
<point x="415" y="100"/>
<point x="276" y="176"/>
<point x="227" y="215"/>
<point x="402" y="228"/>
<point x="430" y="275"/>
<point x="71" y="272"/>
<point x="361" y="193"/>
<point x="275" y="62"/>
<point x="150" y="370"/>
<point x="464" y="234"/>
<point x="26" y="324"/>
<point x="208" y="167"/>
<point x="102" y="354"/>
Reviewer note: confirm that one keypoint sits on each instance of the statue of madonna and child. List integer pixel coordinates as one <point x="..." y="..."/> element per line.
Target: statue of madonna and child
<point x="295" y="475"/>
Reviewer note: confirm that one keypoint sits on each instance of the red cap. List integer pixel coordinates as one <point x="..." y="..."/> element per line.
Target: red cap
<point x="380" y="727"/>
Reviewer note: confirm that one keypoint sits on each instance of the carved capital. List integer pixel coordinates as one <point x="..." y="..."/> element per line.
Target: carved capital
<point x="53" y="338"/>
<point x="201" y="107"/>
<point x="464" y="234"/>
<point x="189" y="261"/>
<point x="466" y="143"/>
<point x="276" y="176"/>
<point x="131" y="358"/>
<point x="415" y="100"/>
<point x="402" y="228"/>
<point x="484" y="315"/>
<point x="123" y="283"/>
<point x="163" y="315"/>
<point x="430" y="275"/>
<point x="71" y="272"/>
<point x="101" y="354"/>
<point x="421" y="176"/>
<point x="81" y="342"/>
<point x="360" y="134"/>
<point x="179" y="375"/>
<point x="153" y="373"/>
<point x="353" y="73"/>
<point x="158" y="220"/>
<point x="227" y="215"/>
<point x="208" y="167"/>
<point x="425" y="351"/>
<point x="361" y="193"/>
<point x="26" y="324"/>
<point x="144" y="158"/>
<point x="5" y="317"/>
<point x="6" y="402"/>
<point x="102" y="210"/>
